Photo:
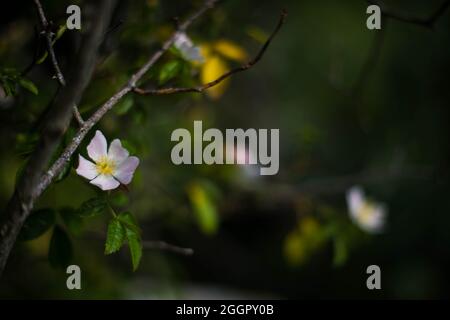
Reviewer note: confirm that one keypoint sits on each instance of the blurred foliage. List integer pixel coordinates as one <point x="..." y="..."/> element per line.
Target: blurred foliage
<point x="284" y="236"/>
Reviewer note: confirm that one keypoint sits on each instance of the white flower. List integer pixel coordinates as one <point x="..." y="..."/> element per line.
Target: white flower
<point x="111" y="168"/>
<point x="369" y="216"/>
<point x="188" y="50"/>
<point x="244" y="157"/>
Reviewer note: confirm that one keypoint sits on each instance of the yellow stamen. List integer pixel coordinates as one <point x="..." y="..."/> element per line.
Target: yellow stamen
<point x="105" y="166"/>
<point x="366" y="212"/>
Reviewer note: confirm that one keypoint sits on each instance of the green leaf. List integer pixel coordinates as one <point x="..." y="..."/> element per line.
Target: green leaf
<point x="92" y="207"/>
<point x="9" y="87"/>
<point x="62" y="28"/>
<point x="115" y="236"/>
<point x="29" y="85"/>
<point x="204" y="208"/>
<point x="133" y="238"/>
<point x="129" y="225"/>
<point x="60" y="251"/>
<point x="124" y="105"/>
<point x="8" y="79"/>
<point x="65" y="171"/>
<point x="37" y="224"/>
<point x="169" y="71"/>
<point x="72" y="220"/>
<point x="68" y="137"/>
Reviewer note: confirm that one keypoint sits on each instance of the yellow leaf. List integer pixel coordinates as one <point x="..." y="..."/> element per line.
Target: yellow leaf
<point x="213" y="68"/>
<point x="205" y="50"/>
<point x="295" y="249"/>
<point x="309" y="226"/>
<point x="230" y="50"/>
<point x="257" y="34"/>
<point x="204" y="208"/>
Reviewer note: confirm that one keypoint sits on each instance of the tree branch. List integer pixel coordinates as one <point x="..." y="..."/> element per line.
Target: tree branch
<point x="427" y="22"/>
<point x="54" y="126"/>
<point x="199" y="89"/>
<point x="77" y="115"/>
<point x="48" y="38"/>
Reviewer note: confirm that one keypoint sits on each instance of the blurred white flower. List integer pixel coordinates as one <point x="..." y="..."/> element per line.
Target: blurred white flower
<point x="111" y="168"/>
<point x="188" y="50"/>
<point x="243" y="157"/>
<point x="369" y="216"/>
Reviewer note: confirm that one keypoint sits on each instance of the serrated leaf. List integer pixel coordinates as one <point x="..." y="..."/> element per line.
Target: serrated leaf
<point x="92" y="207"/>
<point x="60" y="251"/>
<point x="72" y="220"/>
<point x="37" y="224"/>
<point x="169" y="71"/>
<point x="133" y="238"/>
<point x="115" y="236"/>
<point x="29" y="85"/>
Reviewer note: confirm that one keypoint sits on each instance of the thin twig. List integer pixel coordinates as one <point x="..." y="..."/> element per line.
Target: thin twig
<point x="77" y="115"/>
<point x="427" y="22"/>
<point x="161" y="245"/>
<point x="215" y="82"/>
<point x="48" y="38"/>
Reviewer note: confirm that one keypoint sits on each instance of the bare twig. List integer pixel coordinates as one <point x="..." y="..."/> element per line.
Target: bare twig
<point x="201" y="88"/>
<point x="48" y="38"/>
<point x="161" y="245"/>
<point x="427" y="22"/>
<point x="77" y="115"/>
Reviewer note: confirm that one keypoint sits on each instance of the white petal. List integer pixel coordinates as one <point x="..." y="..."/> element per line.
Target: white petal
<point x="182" y="41"/>
<point x="378" y="219"/>
<point x="355" y="199"/>
<point x="116" y="152"/>
<point x="86" y="168"/>
<point x="125" y="171"/>
<point x="97" y="147"/>
<point x="105" y="182"/>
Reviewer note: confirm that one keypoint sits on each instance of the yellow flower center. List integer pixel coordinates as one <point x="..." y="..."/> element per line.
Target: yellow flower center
<point x="366" y="212"/>
<point x="105" y="166"/>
